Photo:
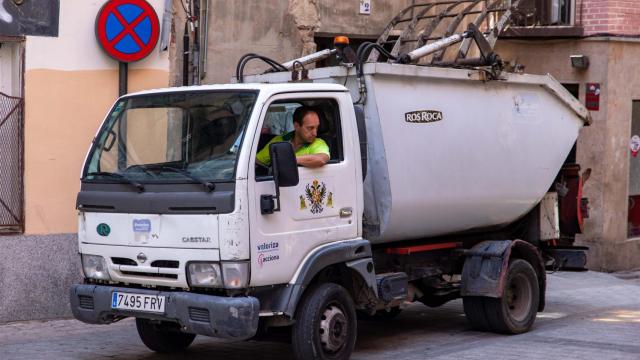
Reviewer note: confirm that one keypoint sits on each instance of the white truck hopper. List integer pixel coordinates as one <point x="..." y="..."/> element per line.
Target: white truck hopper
<point x="449" y="151"/>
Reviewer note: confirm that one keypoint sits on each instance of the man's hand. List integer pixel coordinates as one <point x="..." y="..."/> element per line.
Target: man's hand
<point x="312" y="161"/>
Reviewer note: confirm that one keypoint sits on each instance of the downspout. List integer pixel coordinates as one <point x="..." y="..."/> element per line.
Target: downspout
<point x="195" y="58"/>
<point x="185" y="55"/>
<point x="204" y="34"/>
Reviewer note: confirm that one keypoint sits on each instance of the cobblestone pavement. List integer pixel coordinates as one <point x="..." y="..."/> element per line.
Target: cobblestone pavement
<point x="588" y="316"/>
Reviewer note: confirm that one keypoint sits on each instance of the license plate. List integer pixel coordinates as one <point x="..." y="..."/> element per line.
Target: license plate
<point x="138" y="302"/>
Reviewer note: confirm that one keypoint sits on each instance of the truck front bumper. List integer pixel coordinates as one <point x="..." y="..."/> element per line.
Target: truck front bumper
<point x="216" y="316"/>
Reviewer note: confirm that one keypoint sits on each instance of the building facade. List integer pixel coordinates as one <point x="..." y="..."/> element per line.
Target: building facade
<point x="57" y="86"/>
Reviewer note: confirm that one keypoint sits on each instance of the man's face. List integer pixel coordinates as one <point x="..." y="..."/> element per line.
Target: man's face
<point x="308" y="131"/>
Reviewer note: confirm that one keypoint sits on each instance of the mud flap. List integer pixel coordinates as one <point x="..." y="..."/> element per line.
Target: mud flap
<point x="485" y="269"/>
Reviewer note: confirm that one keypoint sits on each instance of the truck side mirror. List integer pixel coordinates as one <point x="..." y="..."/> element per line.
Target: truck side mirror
<point x="285" y="165"/>
<point x="285" y="174"/>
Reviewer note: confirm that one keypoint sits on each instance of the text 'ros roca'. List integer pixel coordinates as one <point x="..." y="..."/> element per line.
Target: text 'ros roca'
<point x="423" y="116"/>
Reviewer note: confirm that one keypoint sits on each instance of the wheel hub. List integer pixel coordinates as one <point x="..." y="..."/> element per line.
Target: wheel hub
<point x="518" y="296"/>
<point x="333" y="329"/>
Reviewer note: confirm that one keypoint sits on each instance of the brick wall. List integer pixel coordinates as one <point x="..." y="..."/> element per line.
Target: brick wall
<point x="617" y="17"/>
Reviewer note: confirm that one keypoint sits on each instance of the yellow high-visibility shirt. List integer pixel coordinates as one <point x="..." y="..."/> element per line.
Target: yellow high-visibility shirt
<point x="318" y="146"/>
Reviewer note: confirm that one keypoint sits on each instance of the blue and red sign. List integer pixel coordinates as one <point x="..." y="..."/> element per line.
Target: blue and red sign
<point x="127" y="30"/>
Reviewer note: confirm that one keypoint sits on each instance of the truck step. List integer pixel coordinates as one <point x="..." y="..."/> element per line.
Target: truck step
<point x="392" y="286"/>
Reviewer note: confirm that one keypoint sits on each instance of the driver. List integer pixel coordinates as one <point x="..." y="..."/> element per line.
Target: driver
<point x="311" y="151"/>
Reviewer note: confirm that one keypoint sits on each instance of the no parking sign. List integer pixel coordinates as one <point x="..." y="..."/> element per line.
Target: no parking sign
<point x="127" y="30"/>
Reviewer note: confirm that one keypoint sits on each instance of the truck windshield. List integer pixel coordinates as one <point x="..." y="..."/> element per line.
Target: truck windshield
<point x="171" y="137"/>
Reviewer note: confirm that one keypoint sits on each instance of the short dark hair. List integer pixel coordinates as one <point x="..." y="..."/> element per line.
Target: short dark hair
<point x="301" y="112"/>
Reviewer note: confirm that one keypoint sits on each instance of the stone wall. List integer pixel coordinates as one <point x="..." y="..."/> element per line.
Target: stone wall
<point x="36" y="273"/>
<point x="279" y="29"/>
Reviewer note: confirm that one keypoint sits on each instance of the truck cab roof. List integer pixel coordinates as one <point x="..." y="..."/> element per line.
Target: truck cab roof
<point x="265" y="89"/>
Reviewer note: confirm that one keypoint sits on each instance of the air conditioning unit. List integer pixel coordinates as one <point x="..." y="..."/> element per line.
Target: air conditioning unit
<point x="555" y="11"/>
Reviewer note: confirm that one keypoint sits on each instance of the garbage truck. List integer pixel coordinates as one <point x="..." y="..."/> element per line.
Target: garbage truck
<point x="442" y="182"/>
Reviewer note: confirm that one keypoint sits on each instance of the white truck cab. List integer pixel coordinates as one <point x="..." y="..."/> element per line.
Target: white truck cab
<point x="170" y="226"/>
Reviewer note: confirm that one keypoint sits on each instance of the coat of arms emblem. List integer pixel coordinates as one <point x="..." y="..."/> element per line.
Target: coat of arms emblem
<point x="315" y="193"/>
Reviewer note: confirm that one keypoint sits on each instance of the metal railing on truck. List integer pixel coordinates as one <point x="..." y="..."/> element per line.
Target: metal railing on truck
<point x="429" y="22"/>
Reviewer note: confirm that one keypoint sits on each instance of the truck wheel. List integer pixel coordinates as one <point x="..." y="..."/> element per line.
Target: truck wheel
<point x="325" y="326"/>
<point x="516" y="311"/>
<point x="162" y="338"/>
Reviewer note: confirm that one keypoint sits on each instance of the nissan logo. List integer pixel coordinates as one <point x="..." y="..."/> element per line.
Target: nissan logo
<point x="142" y="258"/>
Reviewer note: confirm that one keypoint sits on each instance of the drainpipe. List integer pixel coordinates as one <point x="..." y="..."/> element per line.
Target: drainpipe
<point x="185" y="55"/>
<point x="195" y="58"/>
<point x="204" y="23"/>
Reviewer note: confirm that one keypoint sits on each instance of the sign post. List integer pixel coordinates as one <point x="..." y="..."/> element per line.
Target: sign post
<point x="128" y="31"/>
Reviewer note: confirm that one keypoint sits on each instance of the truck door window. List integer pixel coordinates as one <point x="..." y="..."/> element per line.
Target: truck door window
<point x="278" y="122"/>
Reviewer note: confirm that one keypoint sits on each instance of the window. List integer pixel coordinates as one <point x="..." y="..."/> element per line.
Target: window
<point x="279" y="122"/>
<point x="544" y="13"/>
<point x="574" y="89"/>
<point x="633" y="217"/>
<point x="544" y="18"/>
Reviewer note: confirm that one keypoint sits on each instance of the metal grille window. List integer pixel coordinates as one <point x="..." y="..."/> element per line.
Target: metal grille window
<point x="11" y="164"/>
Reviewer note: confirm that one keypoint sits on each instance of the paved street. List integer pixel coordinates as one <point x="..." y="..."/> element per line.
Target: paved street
<point x="588" y="316"/>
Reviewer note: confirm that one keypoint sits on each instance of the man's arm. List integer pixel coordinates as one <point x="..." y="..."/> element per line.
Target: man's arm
<point x="318" y="157"/>
<point x="313" y="161"/>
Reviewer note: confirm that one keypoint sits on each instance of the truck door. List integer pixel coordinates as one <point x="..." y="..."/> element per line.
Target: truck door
<point x="322" y="208"/>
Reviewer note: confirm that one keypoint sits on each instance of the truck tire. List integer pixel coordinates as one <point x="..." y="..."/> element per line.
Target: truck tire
<point x="515" y="311"/>
<point x="160" y="338"/>
<point x="326" y="324"/>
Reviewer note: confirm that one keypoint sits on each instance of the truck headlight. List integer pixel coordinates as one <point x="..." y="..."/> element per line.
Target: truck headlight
<point x="204" y="274"/>
<point x="235" y="275"/>
<point x="95" y="267"/>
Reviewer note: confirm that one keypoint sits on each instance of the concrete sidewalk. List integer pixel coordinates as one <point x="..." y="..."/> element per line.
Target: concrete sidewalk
<point x="588" y="316"/>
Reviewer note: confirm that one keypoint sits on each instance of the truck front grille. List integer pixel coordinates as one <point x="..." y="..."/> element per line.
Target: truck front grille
<point x="170" y="264"/>
<point x="123" y="261"/>
<point x="198" y="314"/>
<point x="147" y="274"/>
<point x="86" y="302"/>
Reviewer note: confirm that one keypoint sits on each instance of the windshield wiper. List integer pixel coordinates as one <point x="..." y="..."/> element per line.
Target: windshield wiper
<point x="207" y="184"/>
<point x="134" y="183"/>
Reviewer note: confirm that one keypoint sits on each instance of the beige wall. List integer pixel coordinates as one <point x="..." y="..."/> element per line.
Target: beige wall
<point x="70" y="84"/>
<point x="63" y="110"/>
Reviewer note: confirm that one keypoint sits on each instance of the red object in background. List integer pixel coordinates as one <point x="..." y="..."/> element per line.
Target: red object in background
<point x="593" y="96"/>
<point x="571" y="204"/>
<point x="634" y="216"/>
<point x="634" y="145"/>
